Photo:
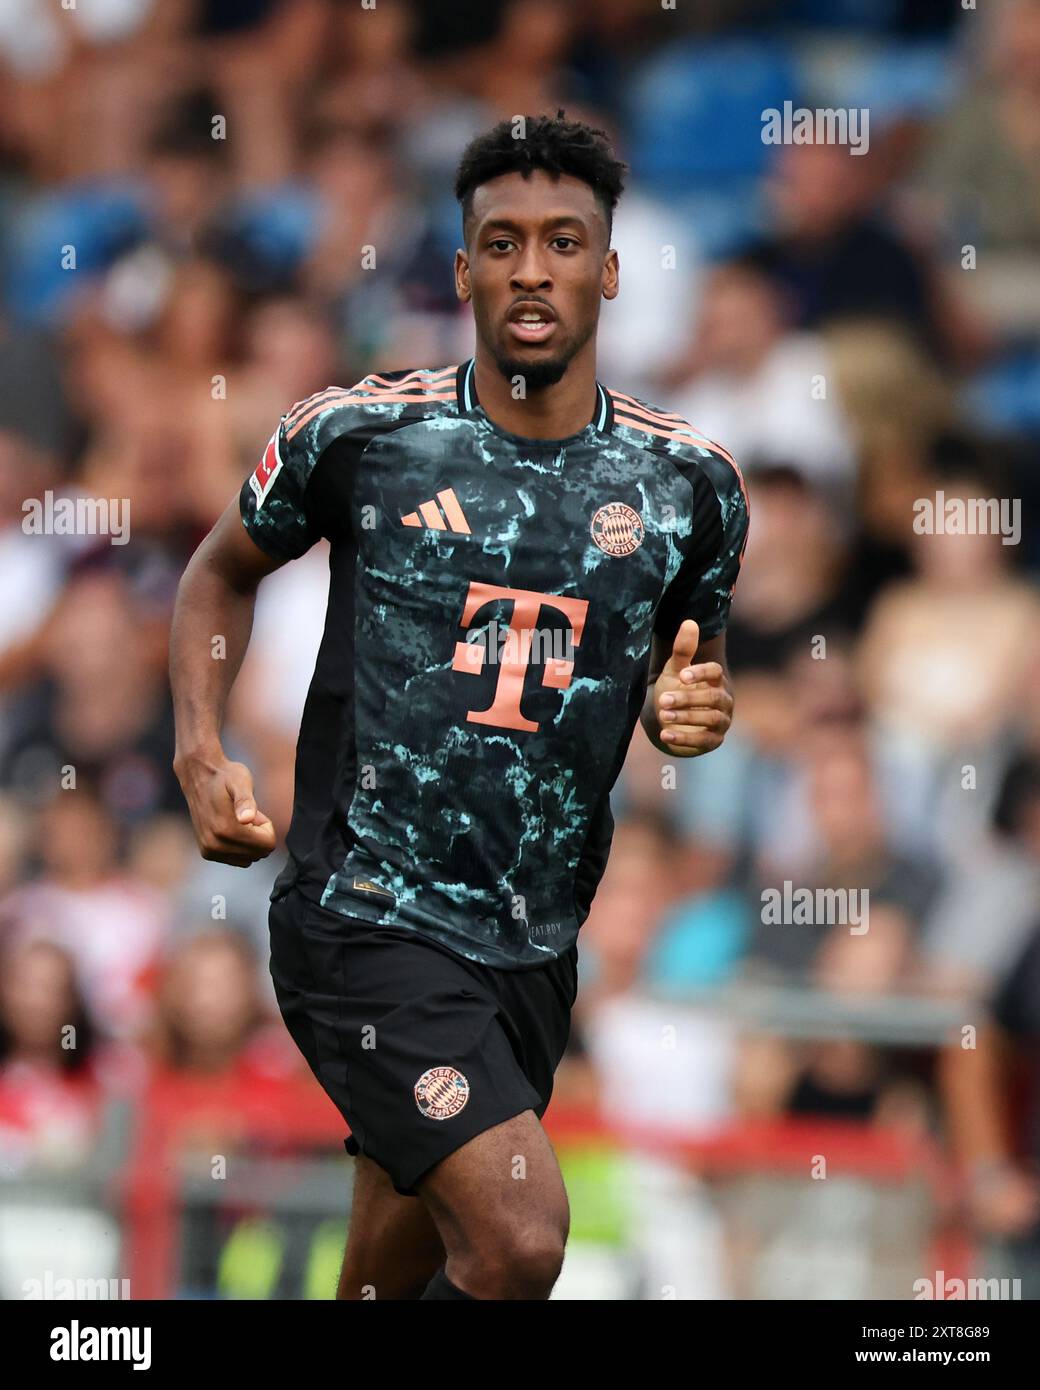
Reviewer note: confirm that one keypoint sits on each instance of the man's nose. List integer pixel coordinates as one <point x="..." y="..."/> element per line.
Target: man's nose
<point x="531" y="271"/>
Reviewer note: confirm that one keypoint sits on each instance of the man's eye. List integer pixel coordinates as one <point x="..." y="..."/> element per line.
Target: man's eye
<point x="565" y="241"/>
<point x="501" y="244"/>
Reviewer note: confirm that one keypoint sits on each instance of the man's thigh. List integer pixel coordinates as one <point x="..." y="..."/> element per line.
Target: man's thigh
<point x="503" y="1181"/>
<point x="393" y="1246"/>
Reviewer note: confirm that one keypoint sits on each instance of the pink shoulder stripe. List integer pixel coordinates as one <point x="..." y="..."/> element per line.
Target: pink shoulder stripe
<point x="626" y="402"/>
<point x="330" y="392"/>
<point x="686" y="434"/>
<point x="383" y="398"/>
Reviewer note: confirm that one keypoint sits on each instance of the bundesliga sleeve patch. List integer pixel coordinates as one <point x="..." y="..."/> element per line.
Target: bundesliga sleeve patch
<point x="266" y="472"/>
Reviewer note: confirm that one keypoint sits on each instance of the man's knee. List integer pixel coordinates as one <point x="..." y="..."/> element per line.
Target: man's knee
<point x="504" y="1238"/>
<point x="513" y="1261"/>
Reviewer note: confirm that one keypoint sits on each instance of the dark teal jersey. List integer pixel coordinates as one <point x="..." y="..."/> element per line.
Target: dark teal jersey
<point x="487" y="641"/>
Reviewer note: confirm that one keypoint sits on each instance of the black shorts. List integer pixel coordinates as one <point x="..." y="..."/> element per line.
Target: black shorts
<point x="419" y="1049"/>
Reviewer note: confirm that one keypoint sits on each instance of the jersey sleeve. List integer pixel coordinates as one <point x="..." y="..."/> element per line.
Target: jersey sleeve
<point x="703" y="588"/>
<point x="295" y="495"/>
<point x="276" y="509"/>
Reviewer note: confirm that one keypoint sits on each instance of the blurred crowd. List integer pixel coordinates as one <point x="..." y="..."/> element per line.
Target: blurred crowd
<point x="210" y="210"/>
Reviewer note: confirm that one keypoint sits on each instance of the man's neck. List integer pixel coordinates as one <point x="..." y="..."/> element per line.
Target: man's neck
<point x="553" y="412"/>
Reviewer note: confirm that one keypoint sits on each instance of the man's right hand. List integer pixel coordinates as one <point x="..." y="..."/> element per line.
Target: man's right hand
<point x="229" y="826"/>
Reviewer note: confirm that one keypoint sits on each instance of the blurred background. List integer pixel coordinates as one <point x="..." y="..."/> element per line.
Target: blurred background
<point x="748" y="1109"/>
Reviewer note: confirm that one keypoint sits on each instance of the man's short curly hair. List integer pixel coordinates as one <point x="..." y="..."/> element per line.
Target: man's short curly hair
<point x="552" y="143"/>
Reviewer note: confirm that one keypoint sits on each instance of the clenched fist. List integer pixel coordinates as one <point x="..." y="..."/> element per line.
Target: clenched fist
<point x="229" y="826"/>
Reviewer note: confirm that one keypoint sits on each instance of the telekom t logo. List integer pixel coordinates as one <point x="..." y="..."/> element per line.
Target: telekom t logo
<point x="505" y="711"/>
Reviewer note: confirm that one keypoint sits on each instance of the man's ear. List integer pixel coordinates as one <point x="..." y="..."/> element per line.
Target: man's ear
<point x="462" y="288"/>
<point x="611" y="276"/>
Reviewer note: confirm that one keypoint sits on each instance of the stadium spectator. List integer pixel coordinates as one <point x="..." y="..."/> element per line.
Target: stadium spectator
<point x="990" y="1078"/>
<point x="99" y="704"/>
<point x="50" y="1088"/>
<point x="996" y="883"/>
<point x="763" y="388"/>
<point x="111" y="926"/>
<point x="218" y="1065"/>
<point x="839" y="256"/>
<point x="981" y="165"/>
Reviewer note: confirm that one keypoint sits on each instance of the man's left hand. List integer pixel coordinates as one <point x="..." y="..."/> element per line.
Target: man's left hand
<point x="693" y="703"/>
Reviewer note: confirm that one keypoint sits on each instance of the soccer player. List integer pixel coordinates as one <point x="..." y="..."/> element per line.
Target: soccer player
<point x="523" y="563"/>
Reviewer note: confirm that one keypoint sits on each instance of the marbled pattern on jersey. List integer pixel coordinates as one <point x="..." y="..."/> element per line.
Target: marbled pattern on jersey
<point x="480" y="785"/>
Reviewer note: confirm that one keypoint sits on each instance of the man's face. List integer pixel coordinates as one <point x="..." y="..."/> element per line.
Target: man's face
<point x="536" y="266"/>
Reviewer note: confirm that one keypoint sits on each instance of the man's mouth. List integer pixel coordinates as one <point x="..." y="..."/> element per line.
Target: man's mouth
<point x="531" y="322"/>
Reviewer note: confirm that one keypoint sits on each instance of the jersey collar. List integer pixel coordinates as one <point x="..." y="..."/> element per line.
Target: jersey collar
<point x="466" y="392"/>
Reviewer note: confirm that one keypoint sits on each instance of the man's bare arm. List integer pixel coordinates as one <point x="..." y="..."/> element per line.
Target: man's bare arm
<point x="701" y="702"/>
<point x="216" y="599"/>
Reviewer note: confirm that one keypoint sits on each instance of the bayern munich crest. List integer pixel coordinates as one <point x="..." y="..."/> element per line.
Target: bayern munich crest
<point x="441" y="1093"/>
<point x="617" y="529"/>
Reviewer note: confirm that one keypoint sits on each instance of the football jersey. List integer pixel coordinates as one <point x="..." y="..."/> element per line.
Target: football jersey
<point x="486" y="647"/>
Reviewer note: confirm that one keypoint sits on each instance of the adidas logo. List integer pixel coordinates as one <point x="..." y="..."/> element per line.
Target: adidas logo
<point x="367" y="886"/>
<point x="451" y="519"/>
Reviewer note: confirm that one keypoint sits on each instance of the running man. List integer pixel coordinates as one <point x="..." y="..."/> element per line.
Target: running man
<point x="524" y="564"/>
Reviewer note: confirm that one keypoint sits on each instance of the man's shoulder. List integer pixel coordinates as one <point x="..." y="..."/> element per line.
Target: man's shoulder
<point x="379" y="401"/>
<point x="650" y="426"/>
